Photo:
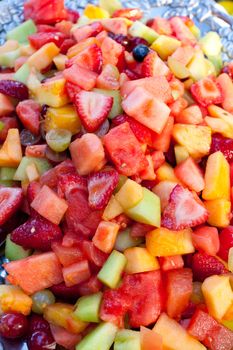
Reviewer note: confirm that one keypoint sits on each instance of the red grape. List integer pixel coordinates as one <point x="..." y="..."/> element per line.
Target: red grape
<point x="13" y="325"/>
<point x="41" y="340"/>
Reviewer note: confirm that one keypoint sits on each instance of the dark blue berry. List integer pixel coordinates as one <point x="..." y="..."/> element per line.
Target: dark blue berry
<point x="140" y="52"/>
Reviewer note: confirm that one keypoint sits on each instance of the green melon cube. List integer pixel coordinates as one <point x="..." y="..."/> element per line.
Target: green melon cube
<point x="140" y="29"/>
<point x="22" y="73"/>
<point x="14" y="251"/>
<point x="7" y="59"/>
<point x="41" y="163"/>
<point x="22" y="32"/>
<point x="7" y="174"/>
<point x="88" y="307"/>
<point x="111" y="272"/>
<point x="127" y="340"/>
<point x="125" y="240"/>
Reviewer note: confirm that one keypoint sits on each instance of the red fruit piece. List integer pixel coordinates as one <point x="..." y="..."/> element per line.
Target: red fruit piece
<point x="72" y="15"/>
<point x="125" y="150"/>
<point x="68" y="182"/>
<point x="36" y="233"/>
<point x="204" y="265"/>
<point x="206" y="238"/>
<point x="44" y="11"/>
<point x="10" y="201"/>
<point x="72" y="90"/>
<point x="93" y="109"/>
<point x="183" y="210"/>
<point x="226" y="242"/>
<point x="66" y="45"/>
<point x="87" y="31"/>
<point x="140" y="230"/>
<point x="67" y="255"/>
<point x="100" y="187"/>
<point x="14" y="89"/>
<point x="38" y="40"/>
<point x="50" y="178"/>
<point x="133" y="14"/>
<point x="207" y="91"/>
<point x="223" y="144"/>
<point x="8" y="123"/>
<point x="181" y="31"/>
<point x="90" y="58"/>
<point x="93" y="254"/>
<point x="45" y="28"/>
<point x="211" y="333"/>
<point x="82" y="77"/>
<point x="29" y="114"/>
<point x="153" y="66"/>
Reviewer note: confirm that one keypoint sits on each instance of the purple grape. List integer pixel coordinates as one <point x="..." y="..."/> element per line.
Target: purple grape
<point x="14" y="89"/>
<point x="13" y="325"/>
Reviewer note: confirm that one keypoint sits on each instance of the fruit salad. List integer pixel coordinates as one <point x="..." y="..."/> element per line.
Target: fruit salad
<point x="116" y="181"/>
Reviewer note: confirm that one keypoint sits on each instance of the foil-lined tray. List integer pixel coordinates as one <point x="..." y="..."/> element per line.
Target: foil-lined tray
<point x="206" y="14"/>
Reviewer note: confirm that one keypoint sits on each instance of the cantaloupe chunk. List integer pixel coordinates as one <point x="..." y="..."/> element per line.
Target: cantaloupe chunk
<point x="140" y="260"/>
<point x="13" y="299"/>
<point x="219" y="212"/>
<point x="43" y="57"/>
<point x="11" y="151"/>
<point x="217" y="177"/>
<point x="218" y="295"/>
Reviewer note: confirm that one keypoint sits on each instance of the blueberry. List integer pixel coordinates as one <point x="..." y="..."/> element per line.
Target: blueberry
<point x="140" y="52"/>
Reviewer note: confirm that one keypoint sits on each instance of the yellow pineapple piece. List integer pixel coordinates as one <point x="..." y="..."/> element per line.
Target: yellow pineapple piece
<point x="165" y="46"/>
<point x="130" y="194"/>
<point x="181" y="153"/>
<point x="95" y="12"/>
<point x="140" y="260"/>
<point x="60" y="61"/>
<point x="13" y="299"/>
<point x="166" y="173"/>
<point x="219" y="212"/>
<point x="43" y="57"/>
<point x="62" y="118"/>
<point x="164" y="242"/>
<point x="113" y="209"/>
<point x="218" y="295"/>
<point x="195" y="138"/>
<point x="52" y="93"/>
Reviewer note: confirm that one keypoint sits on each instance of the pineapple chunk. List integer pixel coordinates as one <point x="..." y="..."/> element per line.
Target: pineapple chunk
<point x="95" y="12"/>
<point x="52" y="93"/>
<point x="13" y="299"/>
<point x="165" y="46"/>
<point x="196" y="139"/>
<point x="219" y="212"/>
<point x="60" y="61"/>
<point x="166" y="173"/>
<point x="175" y="337"/>
<point x="164" y="242"/>
<point x="181" y="153"/>
<point x="130" y="194"/>
<point x="197" y="66"/>
<point x="218" y="295"/>
<point x="62" y="118"/>
<point x="140" y="260"/>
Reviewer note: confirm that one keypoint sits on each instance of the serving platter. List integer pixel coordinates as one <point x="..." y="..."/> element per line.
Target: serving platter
<point x="206" y="14"/>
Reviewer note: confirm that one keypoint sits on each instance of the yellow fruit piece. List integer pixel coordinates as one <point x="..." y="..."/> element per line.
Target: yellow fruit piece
<point x="165" y="46"/>
<point x="52" y="93"/>
<point x="217" y="177"/>
<point x="164" y="242"/>
<point x="95" y="12"/>
<point x="177" y="68"/>
<point x="130" y="194"/>
<point x="112" y="209"/>
<point x="175" y="337"/>
<point x="230" y="259"/>
<point x="110" y="6"/>
<point x="166" y="173"/>
<point x="62" y="118"/>
<point x="60" y="61"/>
<point x="181" y="153"/>
<point x="219" y="126"/>
<point x="12" y="298"/>
<point x="61" y="314"/>
<point x="11" y="151"/>
<point x="197" y="66"/>
<point x="229" y="314"/>
<point x="228" y="5"/>
<point x="140" y="260"/>
<point x="218" y="295"/>
<point x="223" y="121"/>
<point x="43" y="57"/>
<point x="195" y="138"/>
<point x="219" y="212"/>
<point x="32" y="172"/>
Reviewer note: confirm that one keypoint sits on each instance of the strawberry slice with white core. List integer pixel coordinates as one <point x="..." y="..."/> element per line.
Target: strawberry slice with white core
<point x="93" y="109"/>
<point x="100" y="187"/>
<point x="183" y="210"/>
<point x="207" y="91"/>
<point x="10" y="201"/>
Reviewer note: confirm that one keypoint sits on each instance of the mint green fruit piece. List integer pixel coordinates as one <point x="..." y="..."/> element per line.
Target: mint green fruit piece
<point x="41" y="163"/>
<point x="7" y="173"/>
<point x="88" y="308"/>
<point x="140" y="29"/>
<point x="148" y="210"/>
<point x="125" y="240"/>
<point x="127" y="340"/>
<point x="22" y="32"/>
<point x="14" y="251"/>
<point x="110" y="5"/>
<point x="7" y="59"/>
<point x="111" y="272"/>
<point x="211" y="44"/>
<point x="101" y="338"/>
<point x="116" y="107"/>
<point x="22" y="73"/>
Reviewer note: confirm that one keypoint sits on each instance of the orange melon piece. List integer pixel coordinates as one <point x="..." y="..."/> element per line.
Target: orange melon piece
<point x="219" y="212"/>
<point x="217" y="178"/>
<point x="227" y="90"/>
<point x="13" y="299"/>
<point x="164" y="242"/>
<point x="105" y="236"/>
<point x="35" y="273"/>
<point x="140" y="260"/>
<point x="43" y="57"/>
<point x="6" y="106"/>
<point x="11" y="151"/>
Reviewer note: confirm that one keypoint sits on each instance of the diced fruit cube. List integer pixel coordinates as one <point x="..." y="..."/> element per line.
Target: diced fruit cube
<point x="226" y="242"/>
<point x="6" y="106"/>
<point x="166" y="173"/>
<point x="116" y="25"/>
<point x="8" y="59"/>
<point x="177" y="68"/>
<point x="42" y="165"/>
<point x="80" y="76"/>
<point x="113" y="209"/>
<point x="196" y="139"/>
<point x="62" y="118"/>
<point x="52" y="93"/>
<point x="165" y="46"/>
<point x="116" y="107"/>
<point x="62" y="315"/>
<point x="87" y="154"/>
<point x="222" y="120"/>
<point x="76" y="273"/>
<point x="207" y="91"/>
<point x="14" y="251"/>
<point x="183" y="171"/>
<point x="197" y="66"/>
<point x="43" y="57"/>
<point x="181" y="31"/>
<point x="175" y="337"/>
<point x="21" y="32"/>
<point x="181" y="154"/>
<point x="153" y="66"/>
<point x="111" y="272"/>
<point x="95" y="12"/>
<point x="164" y="242"/>
<point x="49" y="205"/>
<point x="111" y="51"/>
<point x="64" y="338"/>
<point x="219" y="212"/>
<point x="140" y="260"/>
<point x="139" y="29"/>
<point x="218" y="295"/>
<point x="127" y="339"/>
<point x="105" y="236"/>
<point x="35" y="273"/>
<point x="111" y="7"/>
<point x="147" y="211"/>
<point x="206" y="239"/>
<point x="150" y="340"/>
<point x="10" y="201"/>
<point x="190" y="115"/>
<point x="13" y="299"/>
<point x="88" y="307"/>
<point x="130" y="194"/>
<point x="11" y="151"/>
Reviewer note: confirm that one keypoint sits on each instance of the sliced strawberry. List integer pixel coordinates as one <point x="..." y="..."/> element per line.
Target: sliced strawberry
<point x="222" y="144"/>
<point x="183" y="210"/>
<point x="72" y="90"/>
<point x="38" y="40"/>
<point x="87" y="31"/>
<point x="67" y="182"/>
<point x="226" y="242"/>
<point x="153" y="66"/>
<point x="100" y="187"/>
<point x="66" y="45"/>
<point x="204" y="265"/>
<point x="93" y="108"/>
<point x="10" y="201"/>
<point x="29" y="114"/>
<point x="90" y="58"/>
<point x="133" y="14"/>
<point x="207" y="91"/>
<point x="36" y="233"/>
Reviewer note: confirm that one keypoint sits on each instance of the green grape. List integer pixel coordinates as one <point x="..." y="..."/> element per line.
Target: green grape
<point x="58" y="139"/>
<point x="41" y="299"/>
